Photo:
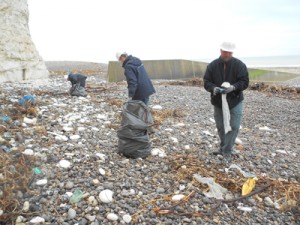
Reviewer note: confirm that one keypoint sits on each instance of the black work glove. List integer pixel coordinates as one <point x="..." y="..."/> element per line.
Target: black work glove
<point x="229" y="89"/>
<point x="218" y="90"/>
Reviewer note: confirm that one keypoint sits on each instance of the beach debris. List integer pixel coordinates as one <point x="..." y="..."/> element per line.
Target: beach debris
<point x="157" y="107"/>
<point x="245" y="174"/>
<point x="248" y="186"/>
<point x="215" y="190"/>
<point x="265" y="128"/>
<point x="245" y="209"/>
<point x="76" y="196"/>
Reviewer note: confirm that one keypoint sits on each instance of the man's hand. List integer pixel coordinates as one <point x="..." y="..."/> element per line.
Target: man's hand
<point x="218" y="90"/>
<point x="229" y="89"/>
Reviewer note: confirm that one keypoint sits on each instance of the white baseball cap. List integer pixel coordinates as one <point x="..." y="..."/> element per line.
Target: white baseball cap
<point x="227" y="46"/>
<point x="118" y="54"/>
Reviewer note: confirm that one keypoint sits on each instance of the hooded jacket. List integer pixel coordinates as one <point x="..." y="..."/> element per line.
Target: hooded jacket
<point x="235" y="72"/>
<point x="77" y="78"/>
<point x="138" y="81"/>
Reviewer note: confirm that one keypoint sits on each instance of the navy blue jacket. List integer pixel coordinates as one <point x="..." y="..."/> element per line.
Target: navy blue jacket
<point x="77" y="78"/>
<point x="138" y="81"/>
<point x="235" y="73"/>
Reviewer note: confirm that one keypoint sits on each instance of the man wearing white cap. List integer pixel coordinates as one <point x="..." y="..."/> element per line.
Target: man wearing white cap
<point x="226" y="78"/>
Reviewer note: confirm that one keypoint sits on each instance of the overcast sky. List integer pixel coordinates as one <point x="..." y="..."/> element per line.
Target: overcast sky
<point x="93" y="30"/>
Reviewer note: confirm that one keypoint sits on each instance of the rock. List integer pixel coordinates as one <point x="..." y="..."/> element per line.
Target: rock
<point x="177" y="197"/>
<point x="64" y="163"/>
<point x="37" y="220"/>
<point x="41" y="182"/>
<point x="25" y="206"/>
<point x="71" y="213"/>
<point x="28" y="152"/>
<point x="102" y="171"/>
<point x="20" y="219"/>
<point x="157" y="107"/>
<point x="69" y="185"/>
<point x="112" y="217"/>
<point x="160" y="190"/>
<point x="127" y="218"/>
<point x="106" y="196"/>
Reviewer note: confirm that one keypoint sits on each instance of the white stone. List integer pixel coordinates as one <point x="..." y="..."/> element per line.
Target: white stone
<point x="19" y="57"/>
<point x="29" y="121"/>
<point x="212" y="120"/>
<point x="159" y="152"/>
<point x="245" y="209"/>
<point x="269" y="161"/>
<point x="112" y="216"/>
<point x="127" y="218"/>
<point x="265" y="128"/>
<point x="74" y="137"/>
<point x="81" y="128"/>
<point x="281" y="151"/>
<point x="96" y="182"/>
<point x="181" y="187"/>
<point x="207" y="133"/>
<point x="95" y="129"/>
<point x="102" y="171"/>
<point x="169" y="130"/>
<point x="187" y="147"/>
<point x="106" y="196"/>
<point x="67" y="129"/>
<point x="41" y="182"/>
<point x="101" y="156"/>
<point x="102" y="116"/>
<point x="157" y="107"/>
<point x="179" y="125"/>
<point x="25" y="206"/>
<point x="177" y="197"/>
<point x="28" y="152"/>
<point x="61" y="138"/>
<point x="238" y="141"/>
<point x="71" y="213"/>
<point x="37" y="220"/>
<point x="175" y="140"/>
<point x="19" y="219"/>
<point x="64" y="163"/>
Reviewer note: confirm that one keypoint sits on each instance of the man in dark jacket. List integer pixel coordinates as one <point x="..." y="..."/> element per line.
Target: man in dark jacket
<point x="227" y="69"/>
<point x="139" y="84"/>
<point x="77" y="78"/>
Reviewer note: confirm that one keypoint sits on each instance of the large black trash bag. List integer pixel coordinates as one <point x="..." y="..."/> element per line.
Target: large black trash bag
<point x="133" y="134"/>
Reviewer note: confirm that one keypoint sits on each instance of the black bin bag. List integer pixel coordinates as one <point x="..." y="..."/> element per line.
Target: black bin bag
<point x="133" y="134"/>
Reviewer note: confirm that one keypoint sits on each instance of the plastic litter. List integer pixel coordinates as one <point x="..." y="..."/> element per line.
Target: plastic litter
<point x="215" y="190"/>
<point x="245" y="174"/>
<point x="76" y="197"/>
<point x="4" y="118"/>
<point x="26" y="100"/>
<point x="37" y="171"/>
<point x="248" y="186"/>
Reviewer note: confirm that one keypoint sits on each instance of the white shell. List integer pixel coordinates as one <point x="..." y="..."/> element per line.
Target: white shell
<point x="106" y="196"/>
<point x="112" y="216"/>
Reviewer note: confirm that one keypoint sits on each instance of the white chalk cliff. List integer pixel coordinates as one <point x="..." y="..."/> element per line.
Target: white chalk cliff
<point x="19" y="59"/>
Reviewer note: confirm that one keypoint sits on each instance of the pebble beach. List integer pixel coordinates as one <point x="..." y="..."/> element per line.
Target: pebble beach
<point x="72" y="144"/>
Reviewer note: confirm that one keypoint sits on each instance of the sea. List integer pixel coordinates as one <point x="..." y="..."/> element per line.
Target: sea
<point x="268" y="61"/>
